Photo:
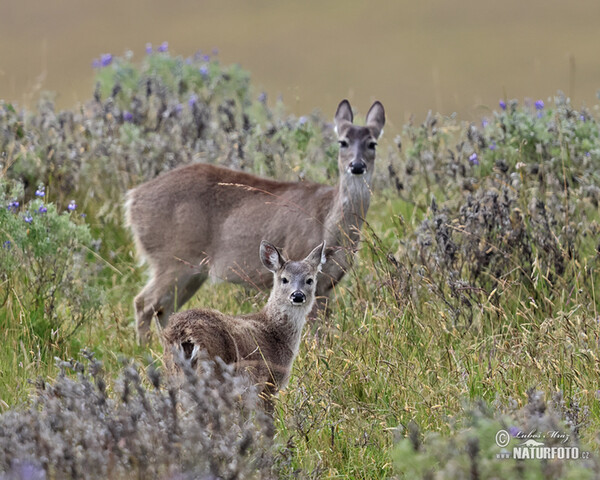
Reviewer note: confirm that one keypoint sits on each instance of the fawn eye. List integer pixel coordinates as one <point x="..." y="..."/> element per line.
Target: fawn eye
<point x="343" y="143"/>
<point x="309" y="281"/>
<point x="284" y="280"/>
<point x="372" y="145"/>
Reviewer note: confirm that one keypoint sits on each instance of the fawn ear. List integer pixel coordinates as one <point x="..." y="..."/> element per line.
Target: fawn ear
<point x="343" y="116"/>
<point x="317" y="258"/>
<point x="376" y="119"/>
<point x="270" y="256"/>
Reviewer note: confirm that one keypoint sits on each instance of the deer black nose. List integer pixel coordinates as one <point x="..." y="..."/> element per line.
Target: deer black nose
<point x="298" y="297"/>
<point x="358" y="168"/>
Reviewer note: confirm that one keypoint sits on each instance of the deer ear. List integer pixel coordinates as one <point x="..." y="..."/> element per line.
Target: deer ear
<point x="343" y="116"/>
<point x="270" y="256"/>
<point x="376" y="119"/>
<point x="317" y="257"/>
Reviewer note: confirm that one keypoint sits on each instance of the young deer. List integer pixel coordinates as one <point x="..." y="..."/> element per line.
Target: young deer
<point x="202" y="221"/>
<point x="262" y="344"/>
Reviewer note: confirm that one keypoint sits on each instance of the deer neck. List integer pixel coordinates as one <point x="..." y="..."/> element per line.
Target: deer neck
<point x="287" y="323"/>
<point x="351" y="203"/>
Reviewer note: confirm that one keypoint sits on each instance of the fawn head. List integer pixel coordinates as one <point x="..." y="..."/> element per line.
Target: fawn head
<point x="357" y="144"/>
<point x="294" y="283"/>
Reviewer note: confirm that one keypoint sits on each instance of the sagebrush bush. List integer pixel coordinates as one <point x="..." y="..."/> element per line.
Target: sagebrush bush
<point x="75" y="429"/>
<point x="472" y="452"/>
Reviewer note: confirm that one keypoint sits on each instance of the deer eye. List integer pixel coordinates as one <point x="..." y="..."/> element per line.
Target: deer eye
<point x="372" y="145"/>
<point x="343" y="143"/>
<point x="284" y="280"/>
<point x="309" y="281"/>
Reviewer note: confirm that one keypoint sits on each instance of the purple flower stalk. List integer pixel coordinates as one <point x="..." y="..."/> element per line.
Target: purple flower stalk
<point x="474" y="159"/>
<point x="42" y="209"/>
<point x="485" y="122"/>
<point x="193" y="99"/>
<point x="493" y="146"/>
<point x="206" y="58"/>
<point x="302" y="120"/>
<point x="72" y="206"/>
<point x="539" y="105"/>
<point x="106" y="59"/>
<point x="13" y="205"/>
<point x="28" y="218"/>
<point x="40" y="192"/>
<point x="203" y="70"/>
<point x="7" y="244"/>
<point x="502" y="104"/>
<point x="262" y="98"/>
<point x="163" y="47"/>
<point x="514" y="431"/>
<point x="148" y="48"/>
<point x="127" y="116"/>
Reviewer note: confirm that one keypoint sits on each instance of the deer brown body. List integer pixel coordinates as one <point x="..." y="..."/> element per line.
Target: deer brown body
<point x="262" y="344"/>
<point x="201" y="221"/>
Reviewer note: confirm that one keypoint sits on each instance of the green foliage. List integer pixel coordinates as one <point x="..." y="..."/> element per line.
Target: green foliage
<point x="47" y="275"/>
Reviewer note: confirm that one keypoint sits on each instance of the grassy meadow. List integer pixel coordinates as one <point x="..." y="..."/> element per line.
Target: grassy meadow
<point x="471" y="307"/>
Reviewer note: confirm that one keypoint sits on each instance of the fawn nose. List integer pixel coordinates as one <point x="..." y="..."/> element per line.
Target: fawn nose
<point x="358" y="168"/>
<point x="298" y="297"/>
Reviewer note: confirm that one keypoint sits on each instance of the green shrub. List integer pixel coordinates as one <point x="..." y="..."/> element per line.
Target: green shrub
<point x="47" y="272"/>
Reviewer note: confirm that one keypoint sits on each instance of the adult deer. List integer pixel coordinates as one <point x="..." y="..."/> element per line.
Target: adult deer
<point x="202" y="221"/>
<point x="262" y="345"/>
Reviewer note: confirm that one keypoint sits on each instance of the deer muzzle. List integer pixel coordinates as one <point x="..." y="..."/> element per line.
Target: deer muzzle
<point x="298" y="298"/>
<point x="357" y="167"/>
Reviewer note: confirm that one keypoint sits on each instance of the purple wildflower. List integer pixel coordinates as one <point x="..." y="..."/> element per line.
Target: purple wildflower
<point x="7" y="244"/>
<point x="582" y="117"/>
<point x="302" y="120"/>
<point x="540" y="114"/>
<point x="493" y="146"/>
<point x="485" y="122"/>
<point x="514" y="431"/>
<point x="13" y="205"/>
<point x="127" y="116"/>
<point x="28" y="218"/>
<point x="72" y="206"/>
<point x="163" y="47"/>
<point x="148" y="48"/>
<point x="262" y="98"/>
<point x="42" y="209"/>
<point x="206" y="58"/>
<point x="106" y="59"/>
<point x="539" y="104"/>
<point x="40" y="192"/>
<point x="502" y="104"/>
<point x="587" y="154"/>
<point x="203" y="70"/>
<point x="474" y="159"/>
<point x="193" y="99"/>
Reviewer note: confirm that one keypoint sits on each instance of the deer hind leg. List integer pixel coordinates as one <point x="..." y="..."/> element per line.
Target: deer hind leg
<point x="161" y="295"/>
